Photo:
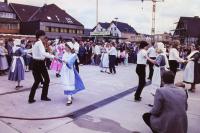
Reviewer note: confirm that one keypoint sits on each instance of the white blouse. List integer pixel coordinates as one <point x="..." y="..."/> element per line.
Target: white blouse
<point x="174" y="55"/>
<point x="39" y="52"/>
<point x="141" y="57"/>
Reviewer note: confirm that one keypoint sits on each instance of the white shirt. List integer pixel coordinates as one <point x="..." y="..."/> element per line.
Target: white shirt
<point x="113" y="51"/>
<point x="97" y="50"/>
<point x="174" y="55"/>
<point x="151" y="52"/>
<point x="38" y="51"/>
<point x="74" y="46"/>
<point x="141" y="57"/>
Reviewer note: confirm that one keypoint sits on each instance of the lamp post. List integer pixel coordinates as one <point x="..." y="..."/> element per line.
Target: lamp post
<point x="97" y="11"/>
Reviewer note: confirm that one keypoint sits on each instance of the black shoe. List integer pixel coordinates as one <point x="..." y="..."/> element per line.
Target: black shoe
<point x="69" y="103"/>
<point x="31" y="101"/>
<point x="46" y="99"/>
<point x="138" y="99"/>
<point x="58" y="75"/>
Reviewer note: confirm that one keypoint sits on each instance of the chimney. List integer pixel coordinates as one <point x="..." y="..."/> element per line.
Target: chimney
<point x="6" y="1"/>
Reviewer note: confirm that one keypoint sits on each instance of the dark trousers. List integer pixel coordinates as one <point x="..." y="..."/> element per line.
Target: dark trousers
<point x="77" y="66"/>
<point x="112" y="60"/>
<point x="146" y="118"/>
<point x="151" y="68"/>
<point x="97" y="59"/>
<point x="173" y="65"/>
<point x="39" y="73"/>
<point x="141" y="72"/>
<point x="48" y="63"/>
<point x="9" y="59"/>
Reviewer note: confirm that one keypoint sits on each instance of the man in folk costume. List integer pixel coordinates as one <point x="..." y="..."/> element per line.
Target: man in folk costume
<point x="39" y="69"/>
<point x="69" y="75"/>
<point x="192" y="70"/>
<point x="160" y="66"/>
<point x="17" y="69"/>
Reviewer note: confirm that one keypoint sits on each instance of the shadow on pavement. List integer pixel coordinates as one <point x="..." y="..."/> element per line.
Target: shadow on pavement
<point x="101" y="124"/>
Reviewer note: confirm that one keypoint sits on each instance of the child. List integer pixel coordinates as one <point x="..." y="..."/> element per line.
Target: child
<point x="70" y="76"/>
<point x="16" y="72"/>
<point x="3" y="60"/>
<point x="56" y="64"/>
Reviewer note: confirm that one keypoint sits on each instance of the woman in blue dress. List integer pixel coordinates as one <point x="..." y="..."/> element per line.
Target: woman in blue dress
<point x="69" y="75"/>
<point x="16" y="72"/>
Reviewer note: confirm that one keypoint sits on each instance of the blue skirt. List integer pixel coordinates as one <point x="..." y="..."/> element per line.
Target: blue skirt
<point x="18" y="73"/>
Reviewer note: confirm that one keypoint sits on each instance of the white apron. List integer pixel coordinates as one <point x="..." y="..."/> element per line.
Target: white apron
<point x="67" y="75"/>
<point x="188" y="75"/>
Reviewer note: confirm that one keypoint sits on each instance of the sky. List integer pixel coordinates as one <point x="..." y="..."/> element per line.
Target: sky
<point x="133" y="12"/>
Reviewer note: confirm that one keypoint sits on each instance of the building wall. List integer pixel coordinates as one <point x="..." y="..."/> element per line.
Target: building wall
<point x="130" y="37"/>
<point x="55" y="30"/>
<point x="29" y="28"/>
<point x="9" y="28"/>
<point x="99" y="28"/>
<point x="114" y="30"/>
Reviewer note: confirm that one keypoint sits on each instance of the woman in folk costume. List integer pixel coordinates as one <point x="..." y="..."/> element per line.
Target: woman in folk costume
<point x="160" y="66"/>
<point x="104" y="59"/>
<point x="192" y="70"/>
<point x="56" y="64"/>
<point x="174" y="58"/>
<point x="69" y="75"/>
<point x="16" y="72"/>
<point x="3" y="60"/>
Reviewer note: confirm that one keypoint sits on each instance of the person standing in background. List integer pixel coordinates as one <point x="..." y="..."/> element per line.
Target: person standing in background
<point x="97" y="57"/>
<point x="3" y="59"/>
<point x="17" y="69"/>
<point x="112" y="58"/>
<point x="8" y="46"/>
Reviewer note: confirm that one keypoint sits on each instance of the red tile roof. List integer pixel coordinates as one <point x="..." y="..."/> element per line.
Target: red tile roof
<point x="47" y="13"/>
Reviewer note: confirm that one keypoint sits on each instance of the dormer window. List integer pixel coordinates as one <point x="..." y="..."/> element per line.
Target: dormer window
<point x="57" y="18"/>
<point x="49" y="18"/>
<point x="69" y="20"/>
<point x="7" y="15"/>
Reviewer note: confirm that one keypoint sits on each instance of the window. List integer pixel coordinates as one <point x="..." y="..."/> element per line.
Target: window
<point x="74" y="31"/>
<point x="66" y="30"/>
<point x="7" y="15"/>
<point x="70" y="31"/>
<point x="81" y="31"/>
<point x="57" y="18"/>
<point x="9" y="26"/>
<point x="69" y="20"/>
<point x="49" y="18"/>
<point x="47" y="29"/>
